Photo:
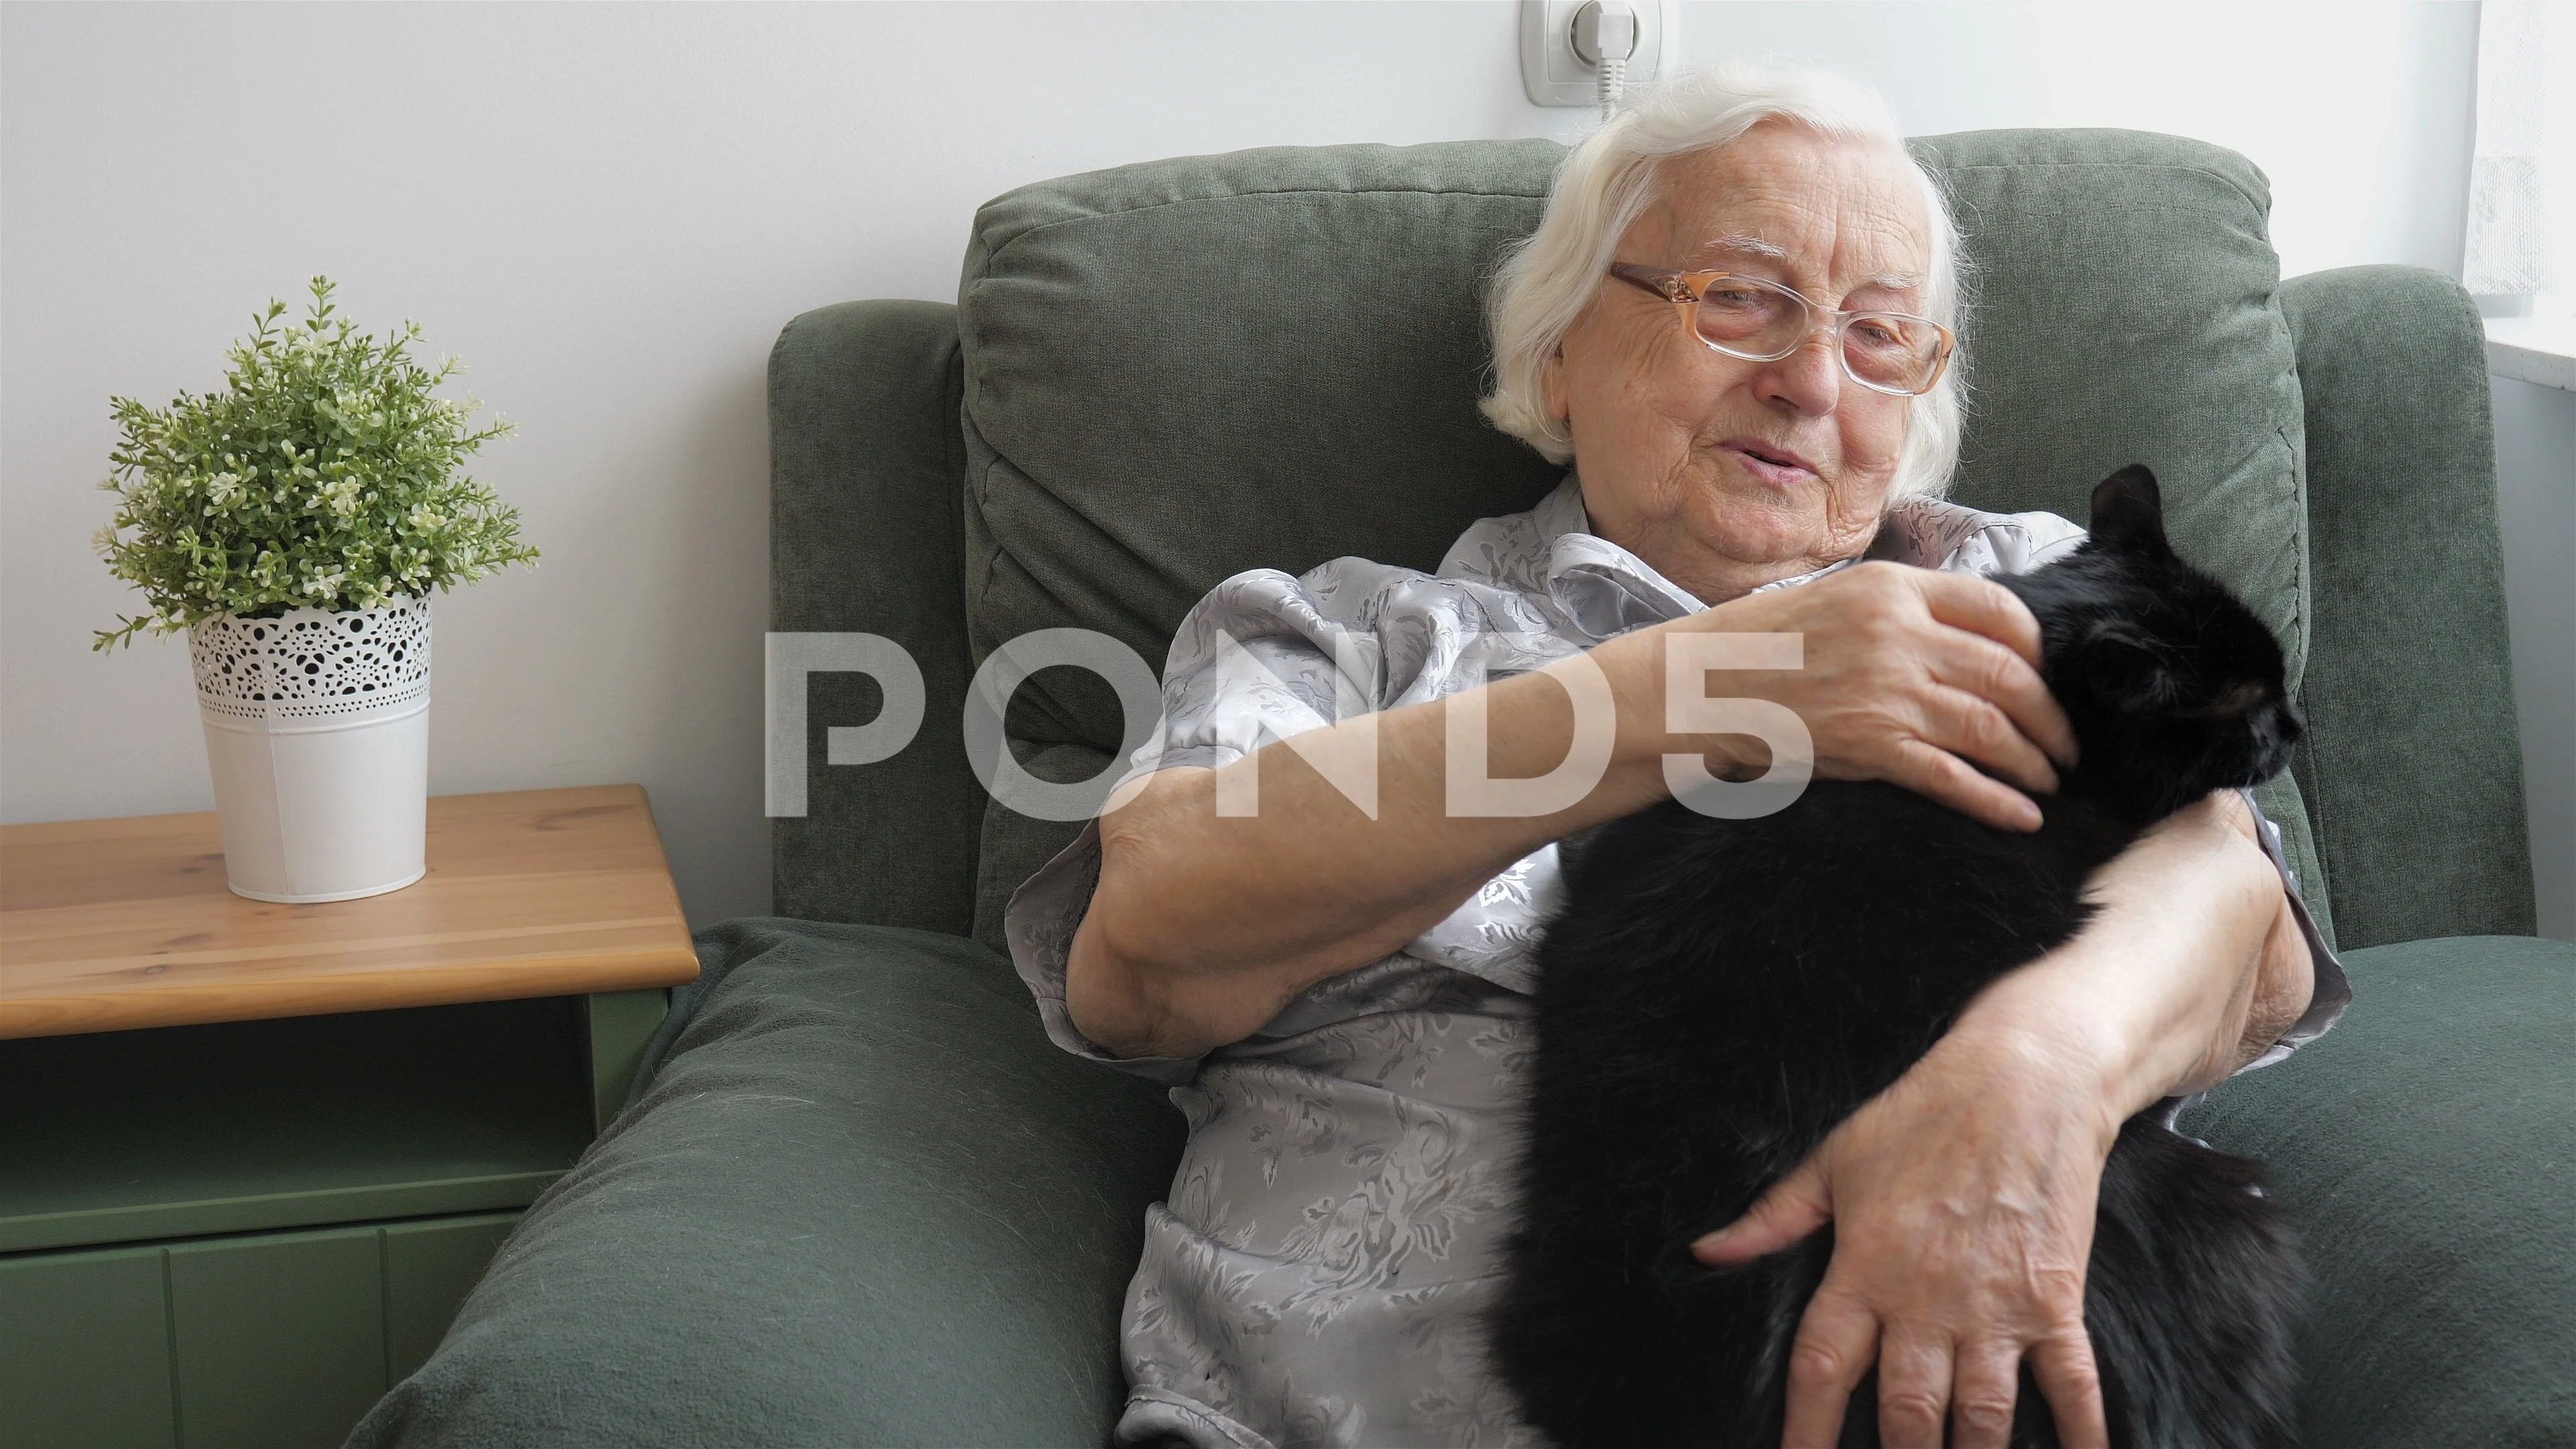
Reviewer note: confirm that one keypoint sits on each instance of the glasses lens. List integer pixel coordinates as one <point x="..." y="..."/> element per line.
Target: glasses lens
<point x="1744" y="316"/>
<point x="1899" y="353"/>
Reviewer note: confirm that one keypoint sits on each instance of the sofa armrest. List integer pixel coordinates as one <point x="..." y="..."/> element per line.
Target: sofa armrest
<point x="2426" y="1151"/>
<point x="863" y="1201"/>
<point x="866" y="532"/>
<point x="2412" y="766"/>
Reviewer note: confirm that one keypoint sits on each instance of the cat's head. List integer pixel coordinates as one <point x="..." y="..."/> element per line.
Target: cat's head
<point x="2174" y="687"/>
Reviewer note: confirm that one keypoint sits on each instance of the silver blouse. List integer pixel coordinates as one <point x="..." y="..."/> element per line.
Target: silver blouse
<point x="1319" y="1272"/>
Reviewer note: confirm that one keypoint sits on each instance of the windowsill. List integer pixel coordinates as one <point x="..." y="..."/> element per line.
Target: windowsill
<point x="2533" y="349"/>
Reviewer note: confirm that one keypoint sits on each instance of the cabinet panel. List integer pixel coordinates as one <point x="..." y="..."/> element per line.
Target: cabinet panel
<point x="84" y="1351"/>
<point x="280" y="1340"/>
<point x="280" y="1126"/>
<point x="429" y="1268"/>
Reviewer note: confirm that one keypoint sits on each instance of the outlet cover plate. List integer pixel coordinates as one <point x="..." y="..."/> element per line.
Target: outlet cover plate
<point x="1553" y="75"/>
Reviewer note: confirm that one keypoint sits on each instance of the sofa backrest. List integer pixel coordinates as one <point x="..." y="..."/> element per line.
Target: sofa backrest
<point x="1163" y="374"/>
<point x="1183" y="369"/>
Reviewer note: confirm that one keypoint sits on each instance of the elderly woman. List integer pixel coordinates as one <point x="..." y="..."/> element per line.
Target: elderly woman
<point x="1338" y="995"/>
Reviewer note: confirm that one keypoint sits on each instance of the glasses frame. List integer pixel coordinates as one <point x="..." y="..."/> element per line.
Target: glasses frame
<point x="1684" y="290"/>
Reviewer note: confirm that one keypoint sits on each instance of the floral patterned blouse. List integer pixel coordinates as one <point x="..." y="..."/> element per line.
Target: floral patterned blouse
<point x="1318" y="1274"/>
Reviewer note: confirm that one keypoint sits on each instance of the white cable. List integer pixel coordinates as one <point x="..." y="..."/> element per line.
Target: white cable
<point x="1603" y="36"/>
<point x="1614" y="77"/>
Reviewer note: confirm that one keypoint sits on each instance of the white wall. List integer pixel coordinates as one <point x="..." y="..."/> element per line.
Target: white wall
<point x="609" y="212"/>
<point x="2536" y="500"/>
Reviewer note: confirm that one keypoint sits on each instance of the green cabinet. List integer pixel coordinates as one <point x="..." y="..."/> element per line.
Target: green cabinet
<point x="278" y="1339"/>
<point x="262" y="1341"/>
<point x="85" y="1351"/>
<point x="429" y="1268"/>
<point x="242" y="1234"/>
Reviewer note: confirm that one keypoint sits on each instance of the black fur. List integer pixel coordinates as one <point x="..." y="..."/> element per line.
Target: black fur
<point x="1717" y="995"/>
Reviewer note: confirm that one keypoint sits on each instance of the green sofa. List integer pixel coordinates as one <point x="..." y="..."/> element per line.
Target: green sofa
<point x="859" y="1199"/>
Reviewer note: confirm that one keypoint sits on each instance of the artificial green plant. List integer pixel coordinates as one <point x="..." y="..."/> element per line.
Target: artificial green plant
<point x="323" y="474"/>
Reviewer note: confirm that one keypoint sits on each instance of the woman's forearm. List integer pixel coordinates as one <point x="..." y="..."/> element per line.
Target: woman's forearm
<point x="2182" y="976"/>
<point x="1205" y="925"/>
<point x="2285" y="982"/>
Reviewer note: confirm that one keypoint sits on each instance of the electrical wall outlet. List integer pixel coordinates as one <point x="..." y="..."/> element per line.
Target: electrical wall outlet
<point x="1554" y="75"/>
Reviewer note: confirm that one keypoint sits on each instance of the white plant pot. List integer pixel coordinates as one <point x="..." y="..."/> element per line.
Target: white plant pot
<point x="317" y="731"/>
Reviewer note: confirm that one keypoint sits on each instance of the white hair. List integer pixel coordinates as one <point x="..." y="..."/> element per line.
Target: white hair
<point x="1607" y="182"/>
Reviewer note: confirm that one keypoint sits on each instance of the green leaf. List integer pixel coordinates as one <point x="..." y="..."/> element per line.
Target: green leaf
<point x="199" y="546"/>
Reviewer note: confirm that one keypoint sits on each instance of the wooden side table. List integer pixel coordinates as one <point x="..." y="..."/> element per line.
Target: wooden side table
<point x="251" y="1155"/>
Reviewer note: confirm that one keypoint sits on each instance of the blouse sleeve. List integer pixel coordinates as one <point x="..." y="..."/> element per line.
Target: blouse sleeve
<point x="1039" y="926"/>
<point x="2333" y="990"/>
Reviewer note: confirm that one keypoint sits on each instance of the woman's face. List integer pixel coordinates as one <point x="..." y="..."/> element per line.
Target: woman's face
<point x="1725" y="474"/>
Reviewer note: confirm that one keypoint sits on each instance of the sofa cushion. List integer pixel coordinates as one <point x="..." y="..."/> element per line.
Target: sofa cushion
<point x="863" y="1200"/>
<point x="1179" y="370"/>
<point x="2426" y="1151"/>
<point x="2123" y="311"/>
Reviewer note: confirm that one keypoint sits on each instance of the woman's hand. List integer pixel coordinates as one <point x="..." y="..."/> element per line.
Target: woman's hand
<point x="1963" y="1196"/>
<point x="1915" y="677"/>
<point x="1204" y="926"/>
<point x="1963" y="1201"/>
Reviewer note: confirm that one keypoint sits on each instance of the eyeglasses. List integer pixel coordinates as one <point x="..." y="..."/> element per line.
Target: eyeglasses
<point x="1762" y="321"/>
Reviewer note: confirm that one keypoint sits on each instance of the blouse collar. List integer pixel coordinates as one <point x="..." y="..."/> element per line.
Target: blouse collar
<point x="1597" y="587"/>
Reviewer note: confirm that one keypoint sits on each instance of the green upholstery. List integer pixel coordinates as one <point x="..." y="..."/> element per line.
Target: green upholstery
<point x="2410" y="689"/>
<point x="863" y="530"/>
<point x="2123" y="311"/>
<point x="862" y="1200"/>
<point x="2426" y="1150"/>
<point x="1153" y="355"/>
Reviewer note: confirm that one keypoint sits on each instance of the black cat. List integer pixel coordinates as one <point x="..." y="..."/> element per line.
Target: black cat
<point x="1718" y="994"/>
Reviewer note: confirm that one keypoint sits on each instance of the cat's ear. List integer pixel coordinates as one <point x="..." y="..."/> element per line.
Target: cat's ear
<point x="2129" y="513"/>
<point x="2129" y="670"/>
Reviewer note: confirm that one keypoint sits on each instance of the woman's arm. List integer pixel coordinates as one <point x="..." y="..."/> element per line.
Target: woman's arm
<point x="1963" y="1197"/>
<point x="2285" y="979"/>
<point x="1204" y="926"/>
